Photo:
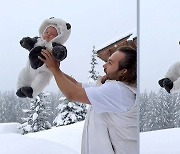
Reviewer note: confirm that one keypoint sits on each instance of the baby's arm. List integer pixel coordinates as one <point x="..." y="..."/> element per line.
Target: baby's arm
<point x="59" y="51"/>
<point x="28" y="43"/>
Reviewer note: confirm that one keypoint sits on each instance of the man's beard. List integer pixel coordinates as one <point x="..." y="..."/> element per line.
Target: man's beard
<point x="112" y="76"/>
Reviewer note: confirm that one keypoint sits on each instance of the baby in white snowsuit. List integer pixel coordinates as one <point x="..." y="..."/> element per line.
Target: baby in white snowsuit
<point x="171" y="82"/>
<point x="35" y="76"/>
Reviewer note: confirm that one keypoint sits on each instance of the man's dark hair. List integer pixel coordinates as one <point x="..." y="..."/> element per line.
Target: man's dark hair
<point x="130" y="63"/>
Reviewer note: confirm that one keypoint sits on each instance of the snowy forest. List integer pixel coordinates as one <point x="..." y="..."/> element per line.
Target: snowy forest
<point x="42" y="112"/>
<point x="159" y="110"/>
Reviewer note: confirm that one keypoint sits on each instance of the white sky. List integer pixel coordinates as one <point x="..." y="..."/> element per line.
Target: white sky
<point x="159" y="36"/>
<point x="93" y="23"/>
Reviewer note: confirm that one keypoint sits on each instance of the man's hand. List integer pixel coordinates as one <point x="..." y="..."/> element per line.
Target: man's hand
<point x="50" y="61"/>
<point x="104" y="78"/>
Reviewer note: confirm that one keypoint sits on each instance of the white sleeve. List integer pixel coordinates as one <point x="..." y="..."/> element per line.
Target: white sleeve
<point x="109" y="97"/>
<point x="86" y="85"/>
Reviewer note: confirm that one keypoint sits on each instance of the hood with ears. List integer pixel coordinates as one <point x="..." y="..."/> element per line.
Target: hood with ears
<point x="63" y="28"/>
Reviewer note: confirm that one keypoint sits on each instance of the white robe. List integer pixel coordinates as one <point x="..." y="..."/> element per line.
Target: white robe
<point x="111" y="132"/>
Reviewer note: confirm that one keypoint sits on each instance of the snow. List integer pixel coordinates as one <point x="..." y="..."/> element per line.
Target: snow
<point x="35" y="115"/>
<point x="9" y="128"/>
<point x="18" y="144"/>
<point x="132" y="32"/>
<point x="162" y="141"/>
<point x="27" y="127"/>
<point x="58" y="120"/>
<point x="67" y="140"/>
<point x="64" y="140"/>
<point x="62" y="98"/>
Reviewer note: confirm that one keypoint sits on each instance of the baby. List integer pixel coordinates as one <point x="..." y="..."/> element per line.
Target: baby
<point x="35" y="76"/>
<point x="171" y="82"/>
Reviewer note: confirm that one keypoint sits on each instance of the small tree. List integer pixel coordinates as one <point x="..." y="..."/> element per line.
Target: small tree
<point x="93" y="73"/>
<point x="69" y="112"/>
<point x="37" y="115"/>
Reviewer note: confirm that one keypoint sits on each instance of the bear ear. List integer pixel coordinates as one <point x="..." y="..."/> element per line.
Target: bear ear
<point x="68" y="26"/>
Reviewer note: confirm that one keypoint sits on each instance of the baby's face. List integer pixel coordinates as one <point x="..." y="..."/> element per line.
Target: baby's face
<point x="50" y="33"/>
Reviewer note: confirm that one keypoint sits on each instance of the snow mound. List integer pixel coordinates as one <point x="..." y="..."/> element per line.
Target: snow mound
<point x="69" y="136"/>
<point x="9" y="128"/>
<point x="19" y="144"/>
<point x="57" y="140"/>
<point x="162" y="141"/>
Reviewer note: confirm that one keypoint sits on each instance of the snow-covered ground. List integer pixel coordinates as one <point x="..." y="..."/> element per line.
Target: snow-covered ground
<point x="165" y="141"/>
<point x="67" y="140"/>
<point x="58" y="140"/>
<point x="9" y="128"/>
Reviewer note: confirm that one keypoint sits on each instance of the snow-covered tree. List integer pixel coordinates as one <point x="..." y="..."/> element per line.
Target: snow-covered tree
<point x="166" y="103"/>
<point x="69" y="112"/>
<point x="159" y="110"/>
<point x="11" y="107"/>
<point x="93" y="73"/>
<point x="151" y="112"/>
<point x="54" y="99"/>
<point x="143" y="110"/>
<point x="177" y="111"/>
<point x="37" y="115"/>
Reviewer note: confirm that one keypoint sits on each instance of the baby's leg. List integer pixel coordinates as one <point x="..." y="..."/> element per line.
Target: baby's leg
<point x="40" y="82"/>
<point x="24" y="80"/>
<point x="176" y="86"/>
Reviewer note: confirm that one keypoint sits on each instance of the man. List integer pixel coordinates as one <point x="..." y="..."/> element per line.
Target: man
<point x="111" y="124"/>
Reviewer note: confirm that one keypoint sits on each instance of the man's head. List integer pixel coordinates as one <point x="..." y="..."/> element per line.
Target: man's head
<point x="121" y="65"/>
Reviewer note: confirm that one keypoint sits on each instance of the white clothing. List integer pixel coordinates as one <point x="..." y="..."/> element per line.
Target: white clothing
<point x="104" y="98"/>
<point x="111" y="122"/>
<point x="39" y="78"/>
<point x="173" y="74"/>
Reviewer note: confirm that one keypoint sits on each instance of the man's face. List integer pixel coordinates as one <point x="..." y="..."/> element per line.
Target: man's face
<point x="112" y="65"/>
<point x="50" y="33"/>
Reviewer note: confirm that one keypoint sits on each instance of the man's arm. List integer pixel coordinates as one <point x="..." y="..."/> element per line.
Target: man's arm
<point x="72" y="91"/>
<point x="69" y="86"/>
<point x="73" y="80"/>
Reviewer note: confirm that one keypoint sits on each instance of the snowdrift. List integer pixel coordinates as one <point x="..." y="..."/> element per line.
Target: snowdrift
<point x="58" y="140"/>
<point x="162" y="141"/>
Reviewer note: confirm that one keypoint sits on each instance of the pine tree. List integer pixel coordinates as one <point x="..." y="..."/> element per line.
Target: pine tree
<point x="37" y="115"/>
<point x="54" y="99"/>
<point x="177" y="111"/>
<point x="143" y="110"/>
<point x="69" y="112"/>
<point x="93" y="73"/>
<point x="159" y="111"/>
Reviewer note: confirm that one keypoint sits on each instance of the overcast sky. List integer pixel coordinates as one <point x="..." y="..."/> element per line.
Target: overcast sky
<point x="159" y="36"/>
<point x="94" y="22"/>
